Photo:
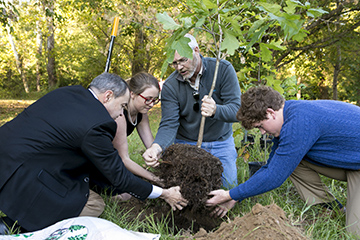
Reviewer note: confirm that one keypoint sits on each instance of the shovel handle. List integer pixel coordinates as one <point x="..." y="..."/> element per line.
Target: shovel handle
<point x="115" y="26"/>
<point x="111" y="46"/>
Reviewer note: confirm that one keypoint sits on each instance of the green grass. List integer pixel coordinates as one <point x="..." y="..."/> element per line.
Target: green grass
<point x="309" y="219"/>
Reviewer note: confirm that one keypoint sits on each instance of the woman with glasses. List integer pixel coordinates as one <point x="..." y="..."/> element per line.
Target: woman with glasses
<point x="144" y="94"/>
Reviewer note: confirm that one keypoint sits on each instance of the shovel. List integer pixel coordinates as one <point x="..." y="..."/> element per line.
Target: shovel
<point x="111" y="46"/>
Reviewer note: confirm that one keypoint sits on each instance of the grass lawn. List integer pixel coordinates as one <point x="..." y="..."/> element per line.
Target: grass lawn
<point x="314" y="224"/>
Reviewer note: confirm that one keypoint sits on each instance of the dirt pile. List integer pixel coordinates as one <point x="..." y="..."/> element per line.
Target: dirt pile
<point x="195" y="170"/>
<point x="267" y="222"/>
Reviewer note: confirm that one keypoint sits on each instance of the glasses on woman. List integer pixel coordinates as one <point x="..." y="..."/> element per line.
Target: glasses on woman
<point x="151" y="100"/>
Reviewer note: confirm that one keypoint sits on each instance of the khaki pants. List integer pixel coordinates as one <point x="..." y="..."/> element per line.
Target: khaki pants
<point x="94" y="206"/>
<point x="307" y="181"/>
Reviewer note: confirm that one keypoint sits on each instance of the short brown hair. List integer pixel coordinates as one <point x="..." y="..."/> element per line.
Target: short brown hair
<point x="255" y="102"/>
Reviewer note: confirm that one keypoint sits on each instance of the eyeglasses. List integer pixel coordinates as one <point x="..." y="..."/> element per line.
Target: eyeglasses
<point x="149" y="101"/>
<point x="196" y="96"/>
<point x="181" y="61"/>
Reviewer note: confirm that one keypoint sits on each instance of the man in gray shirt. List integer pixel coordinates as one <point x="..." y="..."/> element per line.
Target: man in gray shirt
<point x="184" y="101"/>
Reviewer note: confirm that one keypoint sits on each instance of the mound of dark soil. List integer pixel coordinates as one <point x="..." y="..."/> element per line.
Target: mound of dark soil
<point x="197" y="172"/>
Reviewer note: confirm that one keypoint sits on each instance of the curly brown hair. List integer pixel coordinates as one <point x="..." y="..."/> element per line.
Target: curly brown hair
<point x="255" y="102"/>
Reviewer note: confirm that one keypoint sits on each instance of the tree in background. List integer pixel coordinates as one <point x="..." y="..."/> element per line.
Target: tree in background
<point x="262" y="54"/>
<point x="251" y="30"/>
<point x="48" y="7"/>
<point x="321" y="59"/>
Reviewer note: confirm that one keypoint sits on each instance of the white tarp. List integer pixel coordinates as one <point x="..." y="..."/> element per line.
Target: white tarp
<point x="83" y="228"/>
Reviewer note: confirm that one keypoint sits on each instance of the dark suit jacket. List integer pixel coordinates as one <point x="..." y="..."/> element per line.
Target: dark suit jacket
<point x="47" y="153"/>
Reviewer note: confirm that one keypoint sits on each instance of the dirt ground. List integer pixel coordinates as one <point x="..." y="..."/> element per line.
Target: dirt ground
<point x="263" y="222"/>
<point x="198" y="172"/>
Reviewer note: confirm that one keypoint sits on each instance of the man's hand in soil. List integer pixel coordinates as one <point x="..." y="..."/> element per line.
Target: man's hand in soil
<point x="152" y="155"/>
<point x="208" y="106"/>
<point x="222" y="200"/>
<point x="174" y="198"/>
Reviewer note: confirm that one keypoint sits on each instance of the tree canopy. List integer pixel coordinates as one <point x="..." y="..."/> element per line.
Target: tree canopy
<point x="307" y="49"/>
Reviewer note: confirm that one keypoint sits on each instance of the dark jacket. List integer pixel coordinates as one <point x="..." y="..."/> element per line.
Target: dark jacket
<point x="48" y="152"/>
<point x="178" y="118"/>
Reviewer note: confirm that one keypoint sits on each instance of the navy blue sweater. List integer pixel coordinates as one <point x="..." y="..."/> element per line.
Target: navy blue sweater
<point x="323" y="132"/>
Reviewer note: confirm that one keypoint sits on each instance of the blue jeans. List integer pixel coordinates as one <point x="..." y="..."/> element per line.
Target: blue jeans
<point x="226" y="152"/>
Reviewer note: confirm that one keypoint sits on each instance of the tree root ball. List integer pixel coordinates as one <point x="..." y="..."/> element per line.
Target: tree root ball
<point x="195" y="170"/>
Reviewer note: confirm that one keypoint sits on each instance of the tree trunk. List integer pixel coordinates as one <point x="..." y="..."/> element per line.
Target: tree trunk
<point x="138" y="51"/>
<point x="358" y="100"/>
<point x="51" y="70"/>
<point x="39" y="52"/>
<point x="337" y="66"/>
<point x="337" y="69"/>
<point x="18" y="60"/>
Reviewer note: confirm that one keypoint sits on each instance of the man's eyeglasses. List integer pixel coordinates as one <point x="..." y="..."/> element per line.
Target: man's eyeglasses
<point x="149" y="101"/>
<point x="181" y="61"/>
<point x="196" y="96"/>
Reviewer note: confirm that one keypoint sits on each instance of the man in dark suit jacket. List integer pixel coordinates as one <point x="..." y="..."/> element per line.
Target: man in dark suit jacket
<point x="49" y="150"/>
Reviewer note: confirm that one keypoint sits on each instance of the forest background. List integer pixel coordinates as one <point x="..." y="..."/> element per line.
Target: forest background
<point x="48" y="44"/>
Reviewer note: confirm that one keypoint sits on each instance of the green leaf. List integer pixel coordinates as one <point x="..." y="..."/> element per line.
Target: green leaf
<point x="300" y="36"/>
<point x="315" y="12"/>
<point x="182" y="47"/>
<point x="278" y="88"/>
<point x="200" y="22"/>
<point x="290" y="17"/>
<point x="167" y="21"/>
<point x="275" y="84"/>
<point x="197" y="6"/>
<point x="187" y="22"/>
<point x="271" y="7"/>
<point x="297" y="2"/>
<point x="256" y="25"/>
<point x="236" y="29"/>
<point x="265" y="53"/>
<point x="166" y="63"/>
<point x="230" y="42"/>
<point x="276" y="45"/>
<point x="209" y="4"/>
<point x="291" y="6"/>
<point x="257" y="35"/>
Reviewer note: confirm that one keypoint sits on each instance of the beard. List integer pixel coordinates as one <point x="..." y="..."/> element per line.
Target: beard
<point x="195" y="63"/>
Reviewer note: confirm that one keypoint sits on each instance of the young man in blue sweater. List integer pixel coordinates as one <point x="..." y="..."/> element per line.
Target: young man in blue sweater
<point x="310" y="138"/>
